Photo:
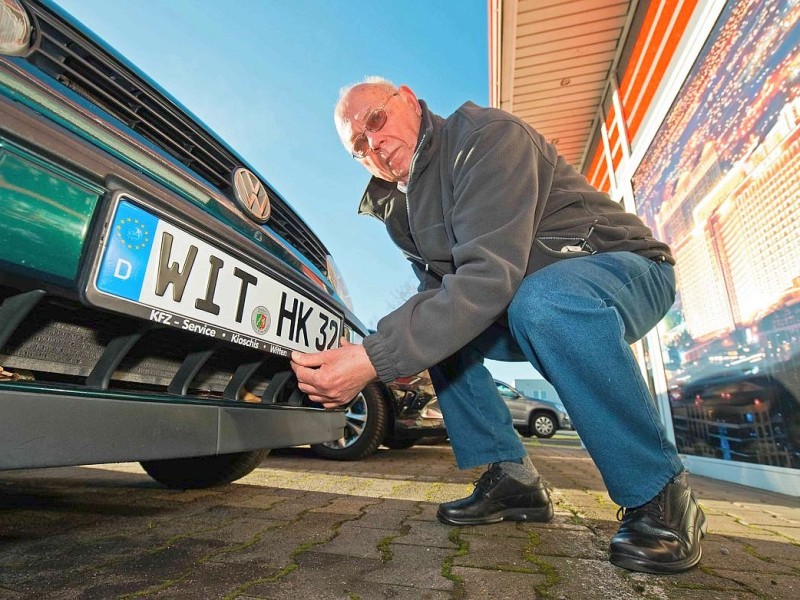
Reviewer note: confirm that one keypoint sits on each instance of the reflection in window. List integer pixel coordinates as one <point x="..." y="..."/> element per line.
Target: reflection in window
<point x="721" y="184"/>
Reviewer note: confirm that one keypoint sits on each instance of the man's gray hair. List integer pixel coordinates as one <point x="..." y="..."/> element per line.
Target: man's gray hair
<point x="371" y="80"/>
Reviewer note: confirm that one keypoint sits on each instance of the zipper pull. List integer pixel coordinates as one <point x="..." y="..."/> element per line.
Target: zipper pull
<point x="591" y="231"/>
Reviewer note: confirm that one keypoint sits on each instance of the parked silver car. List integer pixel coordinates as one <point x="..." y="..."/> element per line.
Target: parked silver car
<point x="541" y="418"/>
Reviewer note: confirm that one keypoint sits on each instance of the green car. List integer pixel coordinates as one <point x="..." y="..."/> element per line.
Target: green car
<point x="152" y="284"/>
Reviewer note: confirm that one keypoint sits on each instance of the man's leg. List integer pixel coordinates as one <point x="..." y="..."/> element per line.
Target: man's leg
<point x="478" y="421"/>
<point x="574" y="321"/>
<point x="481" y="432"/>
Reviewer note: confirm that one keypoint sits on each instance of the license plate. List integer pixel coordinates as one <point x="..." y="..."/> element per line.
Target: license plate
<point x="153" y="269"/>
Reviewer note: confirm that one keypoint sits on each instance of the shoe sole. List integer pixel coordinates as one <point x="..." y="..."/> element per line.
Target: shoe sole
<point x="657" y="568"/>
<point x="535" y="515"/>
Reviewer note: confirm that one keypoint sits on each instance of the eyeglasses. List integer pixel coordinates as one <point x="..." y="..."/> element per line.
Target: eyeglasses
<point x="375" y="121"/>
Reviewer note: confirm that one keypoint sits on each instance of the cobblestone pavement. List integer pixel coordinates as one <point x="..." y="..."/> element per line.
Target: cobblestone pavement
<point x="300" y="527"/>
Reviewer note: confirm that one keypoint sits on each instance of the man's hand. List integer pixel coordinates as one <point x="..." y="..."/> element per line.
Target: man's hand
<point x="333" y="377"/>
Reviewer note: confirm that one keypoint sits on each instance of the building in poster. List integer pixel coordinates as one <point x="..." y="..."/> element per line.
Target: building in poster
<point x="721" y="184"/>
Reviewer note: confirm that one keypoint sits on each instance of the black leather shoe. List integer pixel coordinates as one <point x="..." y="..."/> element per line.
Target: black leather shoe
<point x="662" y="536"/>
<point x="498" y="497"/>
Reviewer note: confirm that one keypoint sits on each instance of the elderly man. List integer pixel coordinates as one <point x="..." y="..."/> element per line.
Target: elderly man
<point x="519" y="258"/>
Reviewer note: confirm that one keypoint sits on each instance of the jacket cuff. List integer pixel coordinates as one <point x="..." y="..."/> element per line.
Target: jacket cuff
<point x="379" y="357"/>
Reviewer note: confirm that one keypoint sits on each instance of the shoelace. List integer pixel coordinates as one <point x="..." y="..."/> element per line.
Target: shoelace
<point x="654" y="508"/>
<point x="488" y="478"/>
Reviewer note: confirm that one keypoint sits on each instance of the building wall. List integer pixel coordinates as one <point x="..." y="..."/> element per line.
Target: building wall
<point x="652" y="49"/>
<point x="537" y="388"/>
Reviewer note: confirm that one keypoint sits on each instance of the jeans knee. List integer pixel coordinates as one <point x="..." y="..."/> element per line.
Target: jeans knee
<point x="543" y="303"/>
<point x="530" y="305"/>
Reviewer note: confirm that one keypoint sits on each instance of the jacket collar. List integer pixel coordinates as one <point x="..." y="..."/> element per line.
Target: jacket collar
<point x="379" y="194"/>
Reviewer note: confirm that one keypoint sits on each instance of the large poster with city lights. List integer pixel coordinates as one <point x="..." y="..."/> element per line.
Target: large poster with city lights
<point x="721" y="184"/>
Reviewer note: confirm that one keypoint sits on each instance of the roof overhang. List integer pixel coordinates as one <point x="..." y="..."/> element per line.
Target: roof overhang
<point x="550" y="63"/>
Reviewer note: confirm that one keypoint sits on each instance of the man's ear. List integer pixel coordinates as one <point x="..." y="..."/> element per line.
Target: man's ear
<point x="408" y="96"/>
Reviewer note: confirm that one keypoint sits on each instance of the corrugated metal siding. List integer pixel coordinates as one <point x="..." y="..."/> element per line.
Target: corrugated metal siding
<point x="560" y="58"/>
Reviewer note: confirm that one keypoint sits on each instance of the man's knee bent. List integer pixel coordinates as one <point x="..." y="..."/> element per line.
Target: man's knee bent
<point x="535" y="302"/>
<point x="545" y="300"/>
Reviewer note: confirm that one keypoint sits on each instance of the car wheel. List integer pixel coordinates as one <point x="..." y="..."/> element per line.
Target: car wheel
<point x="364" y="430"/>
<point x="399" y="444"/>
<point x="203" y="471"/>
<point x="543" y="425"/>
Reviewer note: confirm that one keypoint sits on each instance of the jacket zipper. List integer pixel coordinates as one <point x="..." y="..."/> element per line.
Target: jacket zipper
<point x="419" y="259"/>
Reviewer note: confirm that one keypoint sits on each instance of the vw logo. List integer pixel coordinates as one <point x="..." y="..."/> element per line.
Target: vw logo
<point x="251" y="195"/>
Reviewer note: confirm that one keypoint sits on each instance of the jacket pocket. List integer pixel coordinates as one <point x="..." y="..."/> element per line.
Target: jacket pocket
<point x="552" y="249"/>
<point x="556" y="246"/>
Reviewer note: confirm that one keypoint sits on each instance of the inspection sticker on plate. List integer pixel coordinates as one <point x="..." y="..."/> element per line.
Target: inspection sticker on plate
<point x="153" y="269"/>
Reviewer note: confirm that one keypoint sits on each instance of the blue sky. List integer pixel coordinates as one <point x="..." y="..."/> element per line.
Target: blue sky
<point x="265" y="75"/>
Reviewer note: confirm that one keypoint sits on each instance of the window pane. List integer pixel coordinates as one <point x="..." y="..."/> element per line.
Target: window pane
<point x="721" y="184"/>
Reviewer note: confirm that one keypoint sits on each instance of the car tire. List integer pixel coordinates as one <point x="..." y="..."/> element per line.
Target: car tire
<point x="525" y="431"/>
<point x="365" y="428"/>
<point x="543" y="425"/>
<point x="399" y="444"/>
<point x="203" y="471"/>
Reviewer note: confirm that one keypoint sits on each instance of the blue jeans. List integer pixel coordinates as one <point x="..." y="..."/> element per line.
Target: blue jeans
<point x="573" y="321"/>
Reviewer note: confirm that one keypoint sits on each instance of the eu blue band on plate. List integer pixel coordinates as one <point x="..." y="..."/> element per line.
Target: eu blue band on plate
<point x="130" y="241"/>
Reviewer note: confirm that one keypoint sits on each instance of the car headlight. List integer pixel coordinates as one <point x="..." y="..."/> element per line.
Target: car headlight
<point x="15" y="28"/>
<point x="339" y="286"/>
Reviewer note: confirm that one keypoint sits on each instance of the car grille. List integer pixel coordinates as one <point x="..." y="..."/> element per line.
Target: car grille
<point x="50" y="341"/>
<point x="78" y="63"/>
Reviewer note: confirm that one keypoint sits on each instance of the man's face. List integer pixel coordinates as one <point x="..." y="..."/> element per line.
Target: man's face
<point x="390" y="147"/>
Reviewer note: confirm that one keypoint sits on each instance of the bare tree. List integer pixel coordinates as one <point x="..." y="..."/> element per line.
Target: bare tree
<point x="401" y="293"/>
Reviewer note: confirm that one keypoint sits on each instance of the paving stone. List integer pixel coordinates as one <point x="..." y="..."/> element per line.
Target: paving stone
<point x="144" y="571"/>
<point x="561" y="522"/>
<point x="62" y="555"/>
<point x="426" y="533"/>
<point x="203" y="580"/>
<point x="333" y="577"/>
<point x="394" y="505"/>
<point x="703" y="578"/>
<point x="758" y="516"/>
<point x="255" y="500"/>
<point x="775" y="550"/>
<point x="348" y="505"/>
<point x="239" y="531"/>
<point x="581" y="579"/>
<point x="357" y="542"/>
<point x="278" y="547"/>
<point x="186" y="495"/>
<point x="690" y="593"/>
<point x="768" y="585"/>
<point x="413" y="566"/>
<point x="498" y="585"/>
<point x="293" y="508"/>
<point x="792" y="534"/>
<point x="576" y="544"/>
<point x="728" y="527"/>
<point x="490" y="552"/>
<point x="376" y="518"/>
<point x="504" y="529"/>
<point x="427" y="512"/>
<point x="720" y="553"/>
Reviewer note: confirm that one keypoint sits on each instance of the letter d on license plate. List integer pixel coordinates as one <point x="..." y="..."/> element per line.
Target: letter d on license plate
<point x="153" y="269"/>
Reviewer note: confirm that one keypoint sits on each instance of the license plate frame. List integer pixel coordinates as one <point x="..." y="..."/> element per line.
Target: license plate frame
<point x="144" y="267"/>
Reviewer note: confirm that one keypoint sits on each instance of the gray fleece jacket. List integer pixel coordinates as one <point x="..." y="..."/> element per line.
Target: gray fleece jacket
<point x="488" y="202"/>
